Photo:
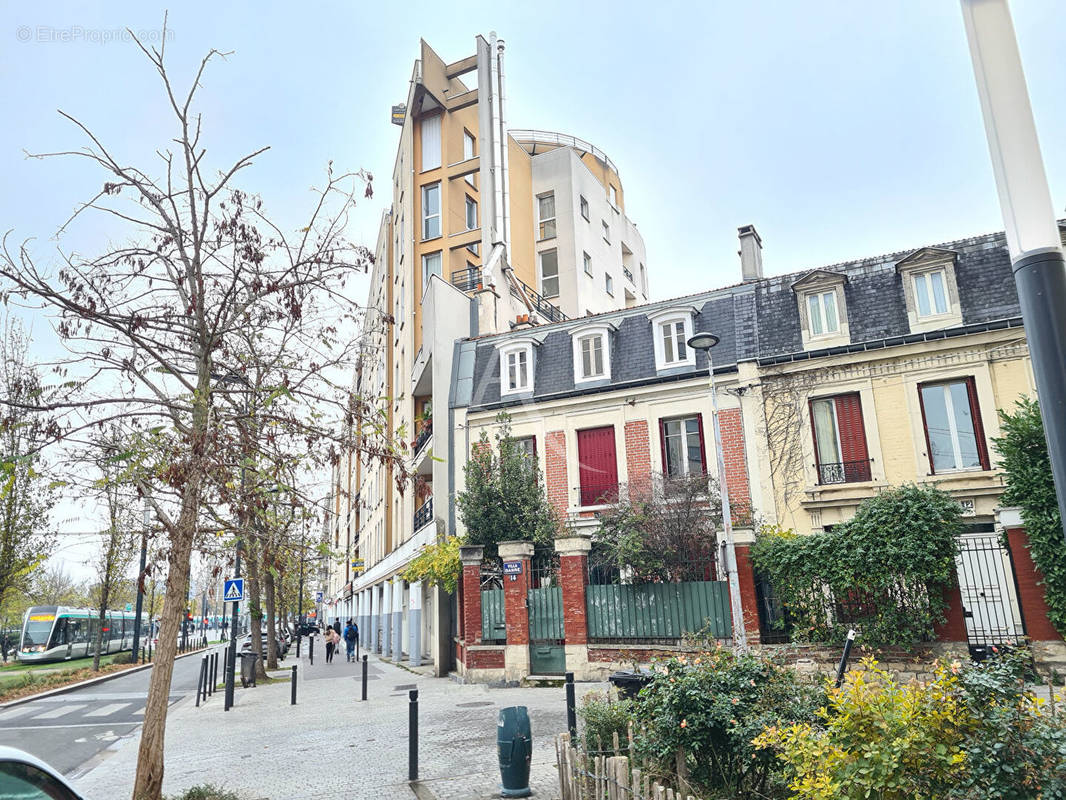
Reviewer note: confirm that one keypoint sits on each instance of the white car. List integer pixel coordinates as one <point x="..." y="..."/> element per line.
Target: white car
<point x="28" y="778"/>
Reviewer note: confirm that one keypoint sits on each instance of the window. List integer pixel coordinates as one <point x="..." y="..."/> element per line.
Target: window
<point x="584" y="205"/>
<point x="671" y="330"/>
<point x="643" y="281"/>
<point x="549" y="273"/>
<point x="673" y="338"/>
<point x="592" y="356"/>
<point x="840" y="439"/>
<point x="588" y="263"/>
<point x="930" y="293"/>
<point x="471" y="213"/>
<point x="953" y="428"/>
<point x="517" y="370"/>
<point x="431" y="142"/>
<point x="682" y="446"/>
<point x="400" y="304"/>
<point x="431" y="211"/>
<point x="546" y="211"/>
<point x="610" y="284"/>
<point x="614" y="196"/>
<point x="597" y="466"/>
<point x="527" y="446"/>
<point x="822" y="313"/>
<point x="27" y="782"/>
<point x="430" y="266"/>
<point x="469" y="144"/>
<point x="606" y="232"/>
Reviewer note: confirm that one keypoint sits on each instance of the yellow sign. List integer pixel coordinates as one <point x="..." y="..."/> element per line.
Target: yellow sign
<point x="42" y="617"/>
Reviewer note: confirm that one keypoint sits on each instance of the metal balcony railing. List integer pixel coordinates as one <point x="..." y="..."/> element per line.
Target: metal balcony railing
<point x="424" y="436"/>
<point x="844" y="472"/>
<point x="467" y="279"/>
<point x="544" y="308"/>
<point x="424" y="515"/>
<point x="628" y="273"/>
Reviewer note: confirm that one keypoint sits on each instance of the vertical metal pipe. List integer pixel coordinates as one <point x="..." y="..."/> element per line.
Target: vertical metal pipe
<point x="571" y="707"/>
<point x="364" y="677"/>
<point x="293" y="701"/>
<point x="140" y="583"/>
<point x="505" y="233"/>
<point x="844" y="657"/>
<point x="200" y="684"/>
<point x="412" y="736"/>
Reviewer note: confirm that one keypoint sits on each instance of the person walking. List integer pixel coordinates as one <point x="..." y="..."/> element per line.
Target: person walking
<point x="5" y="644"/>
<point x="329" y="644"/>
<point x="336" y="636"/>
<point x="351" y="638"/>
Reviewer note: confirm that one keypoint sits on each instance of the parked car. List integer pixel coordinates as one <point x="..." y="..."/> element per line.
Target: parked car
<point x="28" y="778"/>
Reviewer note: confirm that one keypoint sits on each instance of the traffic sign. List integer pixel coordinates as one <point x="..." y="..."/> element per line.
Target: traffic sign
<point x="318" y="597"/>
<point x="233" y="590"/>
<point x="129" y="606"/>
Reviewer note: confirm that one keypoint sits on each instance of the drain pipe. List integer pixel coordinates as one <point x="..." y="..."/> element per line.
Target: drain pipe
<point x="505" y="233"/>
<point x="497" y="164"/>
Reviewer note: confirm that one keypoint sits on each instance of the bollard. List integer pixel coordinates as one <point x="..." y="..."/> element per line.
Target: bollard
<point x="571" y="708"/>
<point x="364" y="677"/>
<point x="200" y="683"/>
<point x="299" y="638"/>
<point x="207" y="673"/>
<point x="214" y="671"/>
<point x="311" y="649"/>
<point x="293" y="685"/>
<point x="412" y="737"/>
<point x="844" y="657"/>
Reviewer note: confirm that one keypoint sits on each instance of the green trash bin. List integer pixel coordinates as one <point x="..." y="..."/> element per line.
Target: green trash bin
<point x="514" y="741"/>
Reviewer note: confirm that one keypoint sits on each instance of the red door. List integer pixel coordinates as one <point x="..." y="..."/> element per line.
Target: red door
<point x="597" y="467"/>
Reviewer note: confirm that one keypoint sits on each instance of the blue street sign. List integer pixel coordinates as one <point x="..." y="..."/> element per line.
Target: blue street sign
<point x="512" y="567"/>
<point x="233" y="590"/>
<point x="318" y="597"/>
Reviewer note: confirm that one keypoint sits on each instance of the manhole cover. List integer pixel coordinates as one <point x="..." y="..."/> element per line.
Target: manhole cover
<point x="404" y="686"/>
<point x="474" y="705"/>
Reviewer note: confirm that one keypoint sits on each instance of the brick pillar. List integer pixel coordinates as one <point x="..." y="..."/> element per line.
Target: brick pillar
<point x="748" y="600"/>
<point x="1030" y="589"/>
<point x="515" y="609"/>
<point x="470" y="555"/>
<point x="736" y="464"/>
<point x="573" y="576"/>
<point x="953" y="628"/>
<point x="638" y="458"/>
<point x="555" y="477"/>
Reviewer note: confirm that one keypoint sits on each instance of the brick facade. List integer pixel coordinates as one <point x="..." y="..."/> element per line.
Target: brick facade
<point x="516" y="614"/>
<point x="953" y="628"/>
<point x="573" y="577"/>
<point x="1030" y="589"/>
<point x="638" y="457"/>
<point x="736" y="464"/>
<point x="555" y="476"/>
<point x="748" y="601"/>
<point x="471" y="604"/>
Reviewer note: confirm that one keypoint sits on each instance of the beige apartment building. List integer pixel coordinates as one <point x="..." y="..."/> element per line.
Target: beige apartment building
<point x="490" y="229"/>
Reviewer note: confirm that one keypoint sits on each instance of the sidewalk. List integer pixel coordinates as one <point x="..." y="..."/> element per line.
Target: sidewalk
<point x="331" y="746"/>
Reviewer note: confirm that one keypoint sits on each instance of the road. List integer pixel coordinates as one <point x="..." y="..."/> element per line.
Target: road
<point x="68" y="730"/>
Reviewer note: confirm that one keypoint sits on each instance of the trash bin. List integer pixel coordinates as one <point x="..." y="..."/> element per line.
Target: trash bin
<point x="514" y="741"/>
<point x="248" y="669"/>
<point x="629" y="683"/>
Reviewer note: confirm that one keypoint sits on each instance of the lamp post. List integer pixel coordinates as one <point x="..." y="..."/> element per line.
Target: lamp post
<point x="140" y="582"/>
<point x="705" y="341"/>
<point x="1028" y="215"/>
<point x="230" y="666"/>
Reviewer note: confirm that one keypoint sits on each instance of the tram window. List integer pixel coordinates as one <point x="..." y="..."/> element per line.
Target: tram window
<point x="79" y="631"/>
<point x="59" y="635"/>
<point x="27" y="782"/>
<point x="36" y="632"/>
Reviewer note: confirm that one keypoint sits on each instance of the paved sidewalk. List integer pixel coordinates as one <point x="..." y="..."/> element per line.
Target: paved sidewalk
<point x="331" y="746"/>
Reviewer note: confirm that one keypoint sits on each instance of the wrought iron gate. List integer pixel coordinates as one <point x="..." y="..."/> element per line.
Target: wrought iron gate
<point x="544" y="600"/>
<point x="989" y="593"/>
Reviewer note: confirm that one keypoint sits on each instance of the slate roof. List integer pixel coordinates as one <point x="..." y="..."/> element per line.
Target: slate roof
<point x="755" y="320"/>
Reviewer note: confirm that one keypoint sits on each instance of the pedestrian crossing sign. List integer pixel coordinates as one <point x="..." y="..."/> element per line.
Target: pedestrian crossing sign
<point x="233" y="591"/>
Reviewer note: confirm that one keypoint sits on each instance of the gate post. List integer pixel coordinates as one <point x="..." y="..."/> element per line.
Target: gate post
<point x="573" y="577"/>
<point x="515" y="609"/>
<point x="471" y="556"/>
<point x="1048" y="646"/>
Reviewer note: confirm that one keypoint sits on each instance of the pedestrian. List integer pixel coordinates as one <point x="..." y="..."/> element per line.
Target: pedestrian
<point x="329" y="643"/>
<point x="351" y="637"/>
<point x="5" y="644"/>
<point x="335" y="636"/>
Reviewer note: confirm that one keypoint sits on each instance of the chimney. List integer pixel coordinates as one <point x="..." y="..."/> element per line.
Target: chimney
<point x="750" y="253"/>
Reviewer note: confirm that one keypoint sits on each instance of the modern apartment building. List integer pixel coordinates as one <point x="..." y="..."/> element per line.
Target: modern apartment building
<point x="489" y="230"/>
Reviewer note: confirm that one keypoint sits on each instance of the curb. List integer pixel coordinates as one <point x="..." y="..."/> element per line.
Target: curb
<point x="91" y="681"/>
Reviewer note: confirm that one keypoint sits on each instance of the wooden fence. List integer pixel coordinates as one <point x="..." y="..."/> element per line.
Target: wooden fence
<point x="658" y="611"/>
<point x="605" y="777"/>
<point x="493" y="625"/>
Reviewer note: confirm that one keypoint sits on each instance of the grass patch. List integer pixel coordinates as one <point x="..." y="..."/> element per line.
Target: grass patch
<point x="27" y="683"/>
<point x="207" y="791"/>
<point x="75" y="663"/>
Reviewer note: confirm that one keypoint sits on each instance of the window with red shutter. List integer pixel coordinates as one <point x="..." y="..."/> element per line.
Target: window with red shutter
<point x="598" y="467"/>
<point x="840" y="439"/>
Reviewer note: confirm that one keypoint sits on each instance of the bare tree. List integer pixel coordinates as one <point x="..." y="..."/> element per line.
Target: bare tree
<point x="156" y="327"/>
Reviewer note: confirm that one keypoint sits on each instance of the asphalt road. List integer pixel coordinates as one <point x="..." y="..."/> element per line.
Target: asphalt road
<point x="68" y="730"/>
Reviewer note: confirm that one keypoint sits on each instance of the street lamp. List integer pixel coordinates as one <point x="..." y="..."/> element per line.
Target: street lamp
<point x="1028" y="215"/>
<point x="705" y="341"/>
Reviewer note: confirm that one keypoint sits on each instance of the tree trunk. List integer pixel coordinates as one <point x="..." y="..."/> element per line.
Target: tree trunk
<point x="100" y="628"/>
<point x="148" y="784"/>
<point x="255" y="610"/>
<point x="272" y="630"/>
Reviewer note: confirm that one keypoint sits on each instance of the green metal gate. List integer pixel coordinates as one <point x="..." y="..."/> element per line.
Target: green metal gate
<point x="547" y="653"/>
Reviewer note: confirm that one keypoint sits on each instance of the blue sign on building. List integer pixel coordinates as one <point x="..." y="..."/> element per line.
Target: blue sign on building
<point x="233" y="590"/>
<point x="512" y="567"/>
<point x="318" y="597"/>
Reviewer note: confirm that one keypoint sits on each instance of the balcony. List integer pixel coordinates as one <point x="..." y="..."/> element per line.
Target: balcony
<point x="466" y="280"/>
<point x="844" y="472"/>
<point x="628" y="273"/>
<point x="543" y="307"/>
<point x="598" y="493"/>
<point x="424" y="436"/>
<point x="424" y="515"/>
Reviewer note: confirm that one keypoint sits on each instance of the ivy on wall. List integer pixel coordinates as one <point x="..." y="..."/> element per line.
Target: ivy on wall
<point x="882" y="572"/>
<point x="1023" y="450"/>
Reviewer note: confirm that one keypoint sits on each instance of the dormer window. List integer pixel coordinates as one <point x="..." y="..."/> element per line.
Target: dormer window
<point x="516" y="366"/>
<point x="671" y="330"/>
<point x="822" y="309"/>
<point x="592" y="352"/>
<point x="929" y="289"/>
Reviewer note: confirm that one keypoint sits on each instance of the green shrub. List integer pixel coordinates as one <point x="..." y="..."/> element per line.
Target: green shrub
<point x="699" y="716"/>
<point x="205" y="792"/>
<point x="601" y="719"/>
<point x="881" y="572"/>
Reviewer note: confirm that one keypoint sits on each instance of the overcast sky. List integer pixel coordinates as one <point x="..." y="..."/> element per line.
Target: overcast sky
<point x="840" y="129"/>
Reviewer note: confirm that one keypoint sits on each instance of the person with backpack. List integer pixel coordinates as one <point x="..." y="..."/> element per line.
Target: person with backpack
<point x="351" y="638"/>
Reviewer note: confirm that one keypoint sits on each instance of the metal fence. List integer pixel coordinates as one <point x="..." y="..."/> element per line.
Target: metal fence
<point x="658" y="613"/>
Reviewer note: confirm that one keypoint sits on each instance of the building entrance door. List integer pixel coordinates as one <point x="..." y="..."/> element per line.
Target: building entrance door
<point x="989" y="593"/>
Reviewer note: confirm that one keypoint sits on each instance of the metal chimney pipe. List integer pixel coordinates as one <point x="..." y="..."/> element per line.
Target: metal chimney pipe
<point x="505" y="232"/>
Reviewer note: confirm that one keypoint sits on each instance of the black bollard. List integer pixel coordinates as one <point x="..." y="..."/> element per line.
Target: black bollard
<point x="364" y="677"/>
<point x="412" y="736"/>
<point x="206" y="667"/>
<point x="571" y="707"/>
<point x="299" y="637"/>
<point x="844" y="657"/>
<point x="200" y="683"/>
<point x="311" y="649"/>
<point x="214" y="671"/>
<point x="293" y="685"/>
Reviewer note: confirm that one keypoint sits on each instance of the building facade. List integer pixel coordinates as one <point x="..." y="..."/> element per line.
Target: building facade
<point x="489" y="229"/>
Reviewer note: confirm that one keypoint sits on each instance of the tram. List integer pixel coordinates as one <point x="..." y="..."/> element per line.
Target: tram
<point x="58" y="633"/>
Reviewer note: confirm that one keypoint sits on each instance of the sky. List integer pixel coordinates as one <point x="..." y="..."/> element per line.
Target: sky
<point x="840" y="129"/>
